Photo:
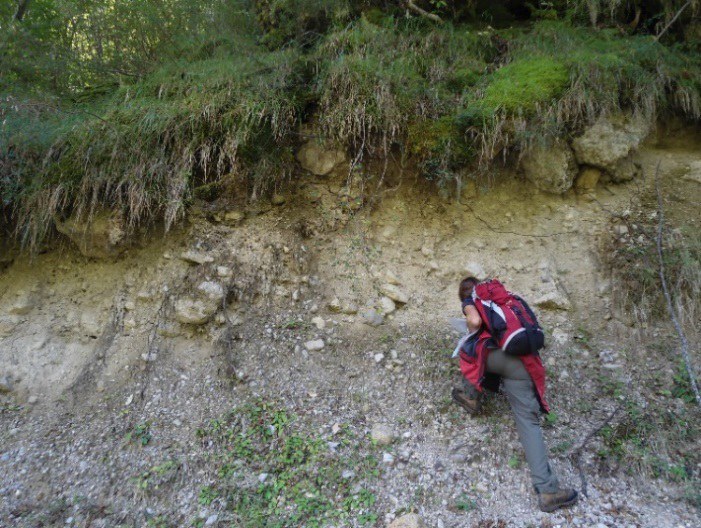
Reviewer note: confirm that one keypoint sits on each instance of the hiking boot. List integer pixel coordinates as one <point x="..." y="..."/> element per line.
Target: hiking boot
<point x="471" y="406"/>
<point x="549" y="502"/>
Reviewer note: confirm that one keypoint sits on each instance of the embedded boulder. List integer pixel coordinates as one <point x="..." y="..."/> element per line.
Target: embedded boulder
<point x="610" y="140"/>
<point x="102" y="236"/>
<point x="319" y="159"/>
<point x="198" y="308"/>
<point x="552" y="169"/>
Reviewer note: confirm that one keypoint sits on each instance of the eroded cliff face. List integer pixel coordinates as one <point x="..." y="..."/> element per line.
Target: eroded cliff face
<point x="337" y="307"/>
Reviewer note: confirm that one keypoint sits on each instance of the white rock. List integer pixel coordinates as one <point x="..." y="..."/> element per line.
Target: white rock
<point x="553" y="300"/>
<point x="387" y="305"/>
<point x="474" y="269"/>
<point x="211" y="290"/>
<point x="211" y="520"/>
<point x="314" y="344"/>
<point x="391" y="278"/>
<point x="5" y="384"/>
<point x="22" y="304"/>
<point x="394" y="293"/>
<point x="372" y="318"/>
<point x="319" y="322"/>
<point x="410" y="520"/>
<point x="388" y="458"/>
<point x="379" y="357"/>
<point x="223" y="271"/>
<point x="382" y="434"/>
<point x="196" y="257"/>
<point x="194" y="311"/>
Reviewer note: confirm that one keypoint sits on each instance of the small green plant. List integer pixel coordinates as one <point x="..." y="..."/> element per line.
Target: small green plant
<point x="302" y="481"/>
<point x="141" y="433"/>
<point x="550" y="419"/>
<point x="207" y="495"/>
<point x="465" y="503"/>
<point x="514" y="462"/>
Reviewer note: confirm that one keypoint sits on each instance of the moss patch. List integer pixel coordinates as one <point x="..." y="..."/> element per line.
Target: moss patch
<point x="521" y="86"/>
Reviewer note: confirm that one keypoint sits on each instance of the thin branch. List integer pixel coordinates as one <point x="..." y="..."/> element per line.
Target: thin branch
<point x="416" y="9"/>
<point x="674" y="19"/>
<point x="667" y="296"/>
<point x="577" y="453"/>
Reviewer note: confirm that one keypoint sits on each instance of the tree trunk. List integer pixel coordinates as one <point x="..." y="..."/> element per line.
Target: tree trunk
<point x="21" y="10"/>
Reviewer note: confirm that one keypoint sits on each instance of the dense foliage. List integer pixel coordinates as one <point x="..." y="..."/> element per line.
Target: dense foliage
<point x="134" y="104"/>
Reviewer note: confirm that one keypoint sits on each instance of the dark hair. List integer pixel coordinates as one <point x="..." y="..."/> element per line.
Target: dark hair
<point x="466" y="287"/>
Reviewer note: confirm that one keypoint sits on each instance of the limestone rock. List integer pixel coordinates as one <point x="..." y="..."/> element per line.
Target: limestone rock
<point x="319" y="322"/>
<point x="410" y="520"/>
<point x="372" y="318"/>
<point x="334" y="305"/>
<point x="551" y="169"/>
<point x="387" y="305"/>
<point x="587" y="179"/>
<point x="231" y="218"/>
<point x="694" y="173"/>
<point x="394" y="293"/>
<point x="314" y="344"/>
<point x="474" y="269"/>
<point x="103" y="236"/>
<point x="391" y="278"/>
<point x="625" y="170"/>
<point x="22" y="304"/>
<point x="553" y="300"/>
<point x="211" y="290"/>
<point x="199" y="308"/>
<point x="5" y="384"/>
<point x="610" y="140"/>
<point x="194" y="311"/>
<point x="196" y="257"/>
<point x="382" y="434"/>
<point x="318" y="159"/>
<point x="8" y="324"/>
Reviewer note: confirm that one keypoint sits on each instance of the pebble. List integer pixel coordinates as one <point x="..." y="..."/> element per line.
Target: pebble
<point x="379" y="357"/>
<point x="314" y="344"/>
<point x="211" y="520"/>
<point x="382" y="434"/>
<point x="319" y="322"/>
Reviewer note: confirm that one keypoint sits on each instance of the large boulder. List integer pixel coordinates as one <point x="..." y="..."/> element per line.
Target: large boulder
<point x="551" y="169"/>
<point x="199" y="307"/>
<point x="319" y="159"/>
<point x="101" y="236"/>
<point x="610" y="140"/>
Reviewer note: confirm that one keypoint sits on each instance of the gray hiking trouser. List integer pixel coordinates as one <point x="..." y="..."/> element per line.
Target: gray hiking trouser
<point x="520" y="391"/>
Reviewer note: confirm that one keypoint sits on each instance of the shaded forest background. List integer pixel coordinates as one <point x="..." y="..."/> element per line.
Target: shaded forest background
<point x="135" y="105"/>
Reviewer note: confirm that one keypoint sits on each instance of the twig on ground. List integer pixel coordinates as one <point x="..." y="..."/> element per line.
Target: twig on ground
<point x="577" y="453"/>
<point x="667" y="296"/>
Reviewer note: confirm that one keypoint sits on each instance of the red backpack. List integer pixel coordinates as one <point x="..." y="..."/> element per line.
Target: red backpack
<point x="508" y="318"/>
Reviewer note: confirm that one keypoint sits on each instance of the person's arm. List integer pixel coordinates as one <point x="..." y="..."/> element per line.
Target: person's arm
<point x="474" y="321"/>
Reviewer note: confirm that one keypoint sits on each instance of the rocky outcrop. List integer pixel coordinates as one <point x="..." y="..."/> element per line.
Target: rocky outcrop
<point x="319" y="159"/>
<point x="551" y="169"/>
<point x="102" y="236"/>
<point x="608" y="144"/>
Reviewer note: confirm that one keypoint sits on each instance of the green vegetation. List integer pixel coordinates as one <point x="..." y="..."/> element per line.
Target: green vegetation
<point x="273" y="473"/>
<point x="142" y="108"/>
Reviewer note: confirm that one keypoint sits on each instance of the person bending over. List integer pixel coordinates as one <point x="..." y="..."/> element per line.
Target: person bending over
<point x="523" y="381"/>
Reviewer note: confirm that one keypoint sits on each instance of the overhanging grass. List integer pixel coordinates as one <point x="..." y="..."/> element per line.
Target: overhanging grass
<point x="451" y="97"/>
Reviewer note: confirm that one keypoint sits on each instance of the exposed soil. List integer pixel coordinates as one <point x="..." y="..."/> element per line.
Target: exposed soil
<point x="93" y="349"/>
